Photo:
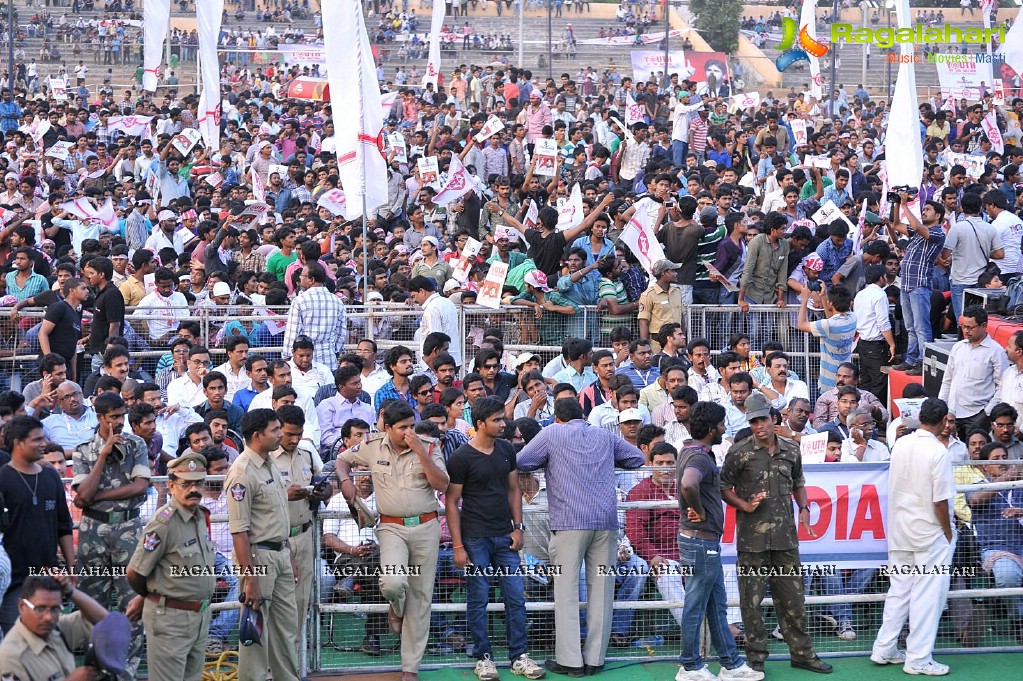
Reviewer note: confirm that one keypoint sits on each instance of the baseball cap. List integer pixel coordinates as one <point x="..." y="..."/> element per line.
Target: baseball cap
<point x="757" y="407"/>
<point x="250" y="626"/>
<point x="523" y="358"/>
<point x="221" y="288"/>
<point x="537" y="279"/>
<point x="709" y="215"/>
<point x="627" y="415"/>
<point x="662" y="265"/>
<point x="813" y="262"/>
<point x="190" y="466"/>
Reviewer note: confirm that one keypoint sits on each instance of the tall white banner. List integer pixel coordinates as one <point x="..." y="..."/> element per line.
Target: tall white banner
<point x="808" y="21"/>
<point x="903" y="147"/>
<point x="209" y="14"/>
<point x="156" y="16"/>
<point x="433" y="60"/>
<point x="355" y="107"/>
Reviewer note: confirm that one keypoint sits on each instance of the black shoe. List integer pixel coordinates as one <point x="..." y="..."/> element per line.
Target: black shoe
<point x="915" y="370"/>
<point x="371" y="646"/>
<point x="755" y="666"/>
<point x="902" y="367"/>
<point x="815" y="664"/>
<point x="553" y="666"/>
<point x="592" y="669"/>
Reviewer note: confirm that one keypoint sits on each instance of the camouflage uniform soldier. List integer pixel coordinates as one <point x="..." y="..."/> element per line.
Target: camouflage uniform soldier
<point x="760" y="477"/>
<point x="111" y="478"/>
<point x="174" y="569"/>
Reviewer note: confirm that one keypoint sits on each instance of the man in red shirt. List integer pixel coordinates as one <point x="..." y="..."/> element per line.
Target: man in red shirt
<point x="653" y="532"/>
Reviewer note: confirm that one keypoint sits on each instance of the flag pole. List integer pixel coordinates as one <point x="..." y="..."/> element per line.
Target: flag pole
<point x="365" y="251"/>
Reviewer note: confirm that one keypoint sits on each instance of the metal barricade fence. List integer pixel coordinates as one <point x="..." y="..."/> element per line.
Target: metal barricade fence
<point x="647" y="606"/>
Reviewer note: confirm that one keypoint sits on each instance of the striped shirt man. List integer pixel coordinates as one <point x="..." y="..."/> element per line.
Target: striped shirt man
<point x="836" y="334"/>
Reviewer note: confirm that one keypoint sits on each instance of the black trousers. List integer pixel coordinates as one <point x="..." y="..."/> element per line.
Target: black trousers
<point x="968" y="424"/>
<point x="873" y="356"/>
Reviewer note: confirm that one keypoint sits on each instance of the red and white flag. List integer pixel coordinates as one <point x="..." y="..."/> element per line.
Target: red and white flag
<point x="570" y="210"/>
<point x="334" y="201"/>
<point x="857" y="240"/>
<point x="88" y="213"/>
<point x="156" y="17"/>
<point x="493" y="126"/>
<point x="459" y="183"/>
<point x="387" y="103"/>
<point x="990" y="125"/>
<point x="357" y="112"/>
<point x="640" y="238"/>
<point x="633" y="111"/>
<point x="432" y="74"/>
<point x="532" y="218"/>
<point x="185" y="140"/>
<point x="132" y="126"/>
<point x="208" y="16"/>
<point x="258" y="185"/>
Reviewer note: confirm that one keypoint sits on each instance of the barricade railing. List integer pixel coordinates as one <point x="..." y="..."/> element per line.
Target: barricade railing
<point x="329" y="624"/>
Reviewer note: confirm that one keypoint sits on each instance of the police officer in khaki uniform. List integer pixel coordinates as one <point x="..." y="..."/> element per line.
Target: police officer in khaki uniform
<point x="661" y="303"/>
<point x="407" y="474"/>
<point x="298" y="463"/>
<point x="257" y="510"/>
<point x="42" y="641"/>
<point x="174" y="570"/>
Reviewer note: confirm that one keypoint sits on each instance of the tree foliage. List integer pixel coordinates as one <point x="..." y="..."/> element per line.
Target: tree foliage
<point x="718" y="21"/>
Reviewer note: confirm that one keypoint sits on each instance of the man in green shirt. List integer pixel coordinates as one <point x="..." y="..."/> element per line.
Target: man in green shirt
<point x="284" y="237"/>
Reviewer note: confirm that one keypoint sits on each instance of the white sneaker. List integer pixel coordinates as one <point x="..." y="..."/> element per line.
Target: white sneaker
<point x="845" y="631"/>
<point x="526" y="666"/>
<point x="743" y="671"/>
<point x="929" y="668"/>
<point x="777" y="633"/>
<point x="701" y="674"/>
<point x="898" y="657"/>
<point x="486" y="670"/>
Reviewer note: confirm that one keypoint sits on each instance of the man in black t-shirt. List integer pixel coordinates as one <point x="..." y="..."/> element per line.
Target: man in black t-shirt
<point x="40" y="519"/>
<point x="62" y="325"/>
<point x="700" y="529"/>
<point x="108" y="310"/>
<point x="487" y="535"/>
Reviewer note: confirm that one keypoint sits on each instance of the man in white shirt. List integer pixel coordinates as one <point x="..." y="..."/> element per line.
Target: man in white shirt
<point x="234" y="368"/>
<point x="973" y="376"/>
<point x="187" y="390"/>
<point x="439" y="314"/>
<point x="876" y="346"/>
<point x="373" y="376"/>
<point x="920" y="535"/>
<point x="781" y="388"/>
<point x="1010" y="233"/>
<point x="171" y="422"/>
<point x="278" y="374"/>
<point x="860" y="446"/>
<point x="163" y="307"/>
<point x="307" y="376"/>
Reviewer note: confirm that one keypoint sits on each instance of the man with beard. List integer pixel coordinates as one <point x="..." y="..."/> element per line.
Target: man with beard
<point x="168" y="235"/>
<point x="176" y="542"/>
<point x="111" y="478"/>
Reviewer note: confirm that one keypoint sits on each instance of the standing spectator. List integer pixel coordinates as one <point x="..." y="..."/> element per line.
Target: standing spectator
<point x="318" y="314"/>
<point x="973" y="376"/>
<point x="1009" y="230"/>
<point x="701" y="525"/>
<point x="926" y="238"/>
<point x="487" y="532"/>
<point x="439" y="315"/>
<point x="920" y="535"/>
<point x="875" y="331"/>
<point x="108" y="308"/>
<point x="662" y="303"/>
<point x="836" y="332"/>
<point x="62" y="325"/>
<point x="760" y="477"/>
<point x="579" y="460"/>
<point x="972" y="243"/>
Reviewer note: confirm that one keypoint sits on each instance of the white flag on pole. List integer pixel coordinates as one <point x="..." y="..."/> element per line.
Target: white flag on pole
<point x="808" y="22"/>
<point x="156" y="17"/>
<point x="132" y="126"/>
<point x="355" y="101"/>
<point x="903" y="149"/>
<point x="990" y="125"/>
<point x="570" y="210"/>
<point x="633" y="111"/>
<point x="432" y="74"/>
<point x="459" y="184"/>
<point x="334" y="201"/>
<point x="208" y="16"/>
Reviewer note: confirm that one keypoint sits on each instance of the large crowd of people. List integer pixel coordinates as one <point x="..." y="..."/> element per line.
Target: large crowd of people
<point x="176" y="310"/>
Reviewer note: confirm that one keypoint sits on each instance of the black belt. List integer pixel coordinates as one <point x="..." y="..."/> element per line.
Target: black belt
<point x="874" y="341"/>
<point x="270" y="545"/>
<point x="300" y="529"/>
<point x="111" y="518"/>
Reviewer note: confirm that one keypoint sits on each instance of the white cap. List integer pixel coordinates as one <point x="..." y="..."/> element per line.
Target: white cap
<point x="627" y="415"/>
<point x="523" y="358"/>
<point x="221" y="288"/>
<point x="166" y="215"/>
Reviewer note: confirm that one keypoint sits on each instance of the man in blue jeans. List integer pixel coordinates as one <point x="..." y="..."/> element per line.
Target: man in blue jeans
<point x="487" y="535"/>
<point x="699" y="540"/>
<point x="971" y="243"/>
<point x="926" y="238"/>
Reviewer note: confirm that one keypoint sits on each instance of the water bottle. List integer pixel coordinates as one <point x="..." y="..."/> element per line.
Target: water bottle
<point x="648" y="642"/>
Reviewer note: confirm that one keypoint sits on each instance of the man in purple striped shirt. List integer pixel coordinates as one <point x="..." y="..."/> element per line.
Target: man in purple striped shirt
<point x="580" y="461"/>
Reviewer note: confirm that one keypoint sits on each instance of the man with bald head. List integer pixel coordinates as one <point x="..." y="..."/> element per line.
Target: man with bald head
<point x="76" y="424"/>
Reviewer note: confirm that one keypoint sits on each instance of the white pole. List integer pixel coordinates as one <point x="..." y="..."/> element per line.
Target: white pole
<point x="522" y="10"/>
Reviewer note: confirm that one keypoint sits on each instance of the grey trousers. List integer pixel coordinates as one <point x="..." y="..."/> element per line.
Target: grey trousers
<point x="569" y="549"/>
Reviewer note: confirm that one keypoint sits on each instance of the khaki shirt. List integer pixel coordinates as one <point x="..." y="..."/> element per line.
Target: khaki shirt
<point x="749" y="470"/>
<point x="132" y="291"/>
<point x="660" y="307"/>
<point x="176" y="554"/>
<point x="257" y="499"/>
<point x="26" y="657"/>
<point x="399" y="480"/>
<point x="126" y="462"/>
<point x="298" y="468"/>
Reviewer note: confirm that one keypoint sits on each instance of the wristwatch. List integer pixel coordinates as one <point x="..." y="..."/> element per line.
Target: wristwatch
<point x="519" y="526"/>
<point x="804" y="508"/>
